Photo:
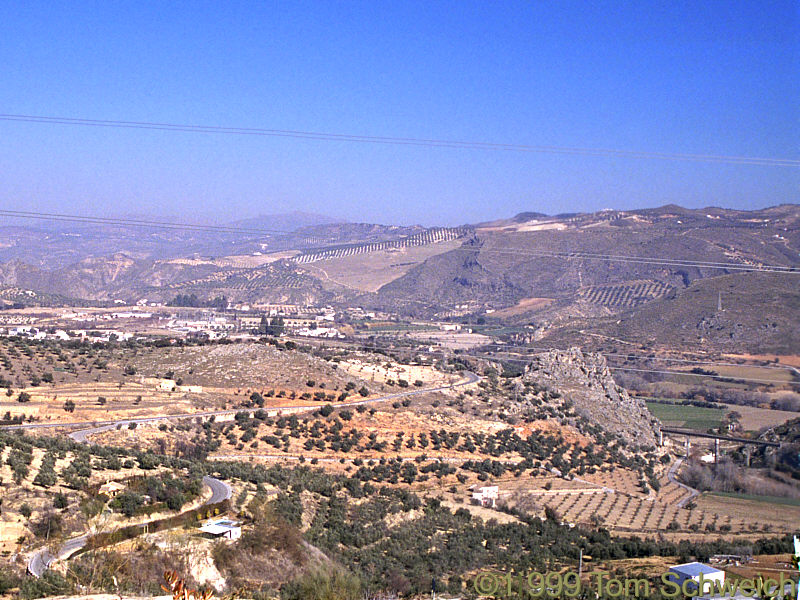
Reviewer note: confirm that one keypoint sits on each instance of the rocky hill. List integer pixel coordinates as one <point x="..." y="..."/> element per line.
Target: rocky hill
<point x="586" y="381"/>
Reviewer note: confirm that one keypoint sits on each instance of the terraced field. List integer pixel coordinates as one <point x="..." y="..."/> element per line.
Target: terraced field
<point x="248" y="279"/>
<point x="628" y="295"/>
<point x="431" y="236"/>
<point x="626" y="512"/>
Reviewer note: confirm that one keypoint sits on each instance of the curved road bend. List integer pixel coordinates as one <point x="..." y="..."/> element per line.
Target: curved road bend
<point x="42" y="559"/>
<point x="82" y="435"/>
<point x="671" y="475"/>
<point x="220" y="490"/>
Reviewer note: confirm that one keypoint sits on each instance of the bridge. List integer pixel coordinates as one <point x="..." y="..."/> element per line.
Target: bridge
<point x="716" y="437"/>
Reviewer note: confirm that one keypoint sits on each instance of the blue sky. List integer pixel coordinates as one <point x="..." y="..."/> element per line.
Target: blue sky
<point x="677" y="77"/>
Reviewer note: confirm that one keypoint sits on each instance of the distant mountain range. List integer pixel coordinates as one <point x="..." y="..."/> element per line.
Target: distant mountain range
<point x="284" y="222"/>
<point x="52" y="244"/>
<point x="570" y="272"/>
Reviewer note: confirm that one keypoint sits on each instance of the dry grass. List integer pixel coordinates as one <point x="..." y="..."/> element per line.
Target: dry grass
<point x="783" y="517"/>
<point x="754" y="419"/>
<point x="525" y="305"/>
<point x="792" y="360"/>
<point x="754" y="372"/>
<point x="370" y="271"/>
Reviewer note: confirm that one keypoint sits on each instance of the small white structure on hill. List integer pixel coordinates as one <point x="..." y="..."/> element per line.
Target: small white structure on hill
<point x="486" y="496"/>
<point x="112" y="488"/>
<point x="694" y="571"/>
<point x="222" y="528"/>
<point x="191" y="389"/>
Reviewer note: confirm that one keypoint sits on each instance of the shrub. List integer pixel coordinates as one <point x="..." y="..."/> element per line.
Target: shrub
<point x="127" y="503"/>
<point x="323" y="584"/>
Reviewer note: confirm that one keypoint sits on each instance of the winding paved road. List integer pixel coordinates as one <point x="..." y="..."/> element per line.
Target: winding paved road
<point x="42" y="559"/>
<point x="220" y="490"/>
<point x="671" y="475"/>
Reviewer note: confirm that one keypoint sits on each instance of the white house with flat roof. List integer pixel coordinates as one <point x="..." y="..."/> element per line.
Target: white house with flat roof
<point x="486" y="496"/>
<point x="693" y="571"/>
<point x="222" y="528"/>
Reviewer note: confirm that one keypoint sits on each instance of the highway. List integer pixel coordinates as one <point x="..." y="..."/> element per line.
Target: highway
<point x="42" y="559"/>
<point x="82" y="435"/>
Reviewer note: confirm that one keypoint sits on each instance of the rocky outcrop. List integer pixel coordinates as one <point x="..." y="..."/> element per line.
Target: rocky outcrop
<point x="586" y="381"/>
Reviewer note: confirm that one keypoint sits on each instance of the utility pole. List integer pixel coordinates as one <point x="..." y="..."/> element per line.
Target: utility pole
<point x="580" y="564"/>
<point x="719" y="302"/>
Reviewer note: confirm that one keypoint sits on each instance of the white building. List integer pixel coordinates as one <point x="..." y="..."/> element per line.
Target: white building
<point x="191" y="389"/>
<point x="222" y="528"/>
<point x="168" y="385"/>
<point x="322" y="332"/>
<point x="486" y="496"/>
<point x="694" y="571"/>
<point x="112" y="488"/>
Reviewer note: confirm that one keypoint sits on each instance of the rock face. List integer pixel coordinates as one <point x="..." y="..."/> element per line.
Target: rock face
<point x="586" y="381"/>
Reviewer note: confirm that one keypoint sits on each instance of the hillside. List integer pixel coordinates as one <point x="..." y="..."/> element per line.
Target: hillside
<point x="689" y="319"/>
<point x="509" y="261"/>
<point x="621" y="273"/>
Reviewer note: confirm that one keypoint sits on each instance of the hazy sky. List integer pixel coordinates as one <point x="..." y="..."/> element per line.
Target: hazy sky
<point x="685" y="77"/>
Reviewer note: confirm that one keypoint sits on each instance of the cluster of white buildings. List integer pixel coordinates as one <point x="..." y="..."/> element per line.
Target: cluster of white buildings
<point x="214" y="327"/>
<point x="320" y="332"/>
<point x="65" y="335"/>
<point x="209" y="324"/>
<point x="113" y="316"/>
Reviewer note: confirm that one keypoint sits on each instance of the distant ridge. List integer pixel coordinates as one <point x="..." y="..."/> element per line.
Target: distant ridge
<point x="287" y="222"/>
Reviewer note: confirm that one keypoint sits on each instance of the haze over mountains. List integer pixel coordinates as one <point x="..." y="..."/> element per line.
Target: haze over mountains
<point x="558" y="275"/>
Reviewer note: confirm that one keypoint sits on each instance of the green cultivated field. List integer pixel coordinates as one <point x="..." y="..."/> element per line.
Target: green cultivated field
<point x="690" y="417"/>
<point x="755" y="498"/>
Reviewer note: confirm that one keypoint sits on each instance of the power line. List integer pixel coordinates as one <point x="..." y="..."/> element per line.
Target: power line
<point x="614" y="368"/>
<point x="521" y="359"/>
<point x="644" y="260"/>
<point x="657" y="358"/>
<point x="358" y="346"/>
<point x="569" y="255"/>
<point x="402" y="141"/>
<point x="517" y="358"/>
<point x="663" y="372"/>
<point x="134" y="222"/>
<point x="749" y="379"/>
